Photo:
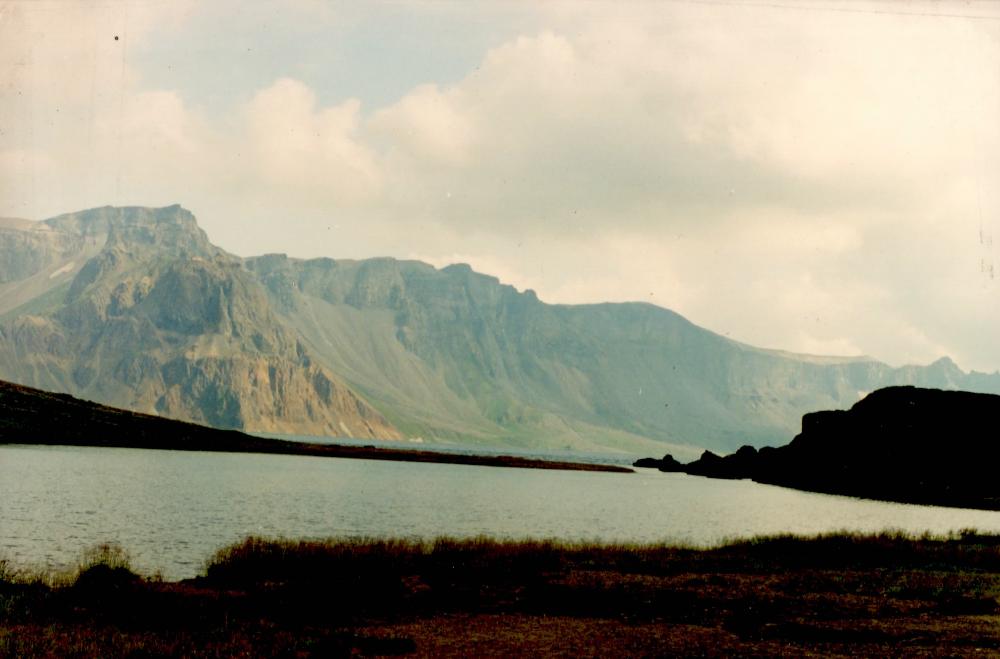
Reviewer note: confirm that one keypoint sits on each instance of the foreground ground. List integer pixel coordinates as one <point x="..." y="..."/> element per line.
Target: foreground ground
<point x="834" y="595"/>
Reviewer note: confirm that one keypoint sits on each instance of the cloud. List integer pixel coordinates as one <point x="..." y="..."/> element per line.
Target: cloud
<point x="819" y="177"/>
<point x="427" y="126"/>
<point x="298" y="146"/>
<point x="796" y="178"/>
<point x="69" y="101"/>
<point x="843" y="111"/>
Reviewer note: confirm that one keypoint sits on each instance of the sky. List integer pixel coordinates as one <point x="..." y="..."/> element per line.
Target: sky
<point x="820" y="177"/>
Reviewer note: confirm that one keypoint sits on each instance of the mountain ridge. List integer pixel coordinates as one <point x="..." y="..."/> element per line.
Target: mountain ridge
<point x="136" y="307"/>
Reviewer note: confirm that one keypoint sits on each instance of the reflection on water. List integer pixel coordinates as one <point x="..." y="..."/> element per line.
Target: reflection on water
<point x="171" y="510"/>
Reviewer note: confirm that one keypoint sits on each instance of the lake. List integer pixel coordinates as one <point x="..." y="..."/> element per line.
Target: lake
<point x="171" y="510"/>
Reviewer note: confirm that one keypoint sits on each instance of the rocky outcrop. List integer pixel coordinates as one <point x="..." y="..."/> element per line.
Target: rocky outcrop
<point x="666" y="464"/>
<point x="734" y="466"/>
<point x="268" y="394"/>
<point x="904" y="444"/>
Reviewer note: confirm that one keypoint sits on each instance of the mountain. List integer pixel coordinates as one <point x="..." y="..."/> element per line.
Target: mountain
<point x="135" y="307"/>
<point x="457" y="354"/>
<point x="886" y="446"/>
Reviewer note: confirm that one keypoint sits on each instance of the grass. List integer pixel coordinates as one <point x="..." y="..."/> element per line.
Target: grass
<point x="829" y="594"/>
<point x="256" y="558"/>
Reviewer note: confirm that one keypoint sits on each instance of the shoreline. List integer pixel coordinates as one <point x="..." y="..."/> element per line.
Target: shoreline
<point x="263" y="446"/>
<point x="42" y="418"/>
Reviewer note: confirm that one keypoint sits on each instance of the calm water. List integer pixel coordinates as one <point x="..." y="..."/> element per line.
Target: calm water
<point x="171" y="510"/>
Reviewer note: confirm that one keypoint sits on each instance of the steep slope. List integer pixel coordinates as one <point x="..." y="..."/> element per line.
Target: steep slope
<point x="454" y="353"/>
<point x="159" y="320"/>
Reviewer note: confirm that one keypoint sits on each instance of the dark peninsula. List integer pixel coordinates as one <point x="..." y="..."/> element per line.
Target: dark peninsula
<point x="33" y="416"/>
<point x="904" y="444"/>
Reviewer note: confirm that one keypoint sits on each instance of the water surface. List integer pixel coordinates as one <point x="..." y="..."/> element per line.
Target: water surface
<point x="172" y="509"/>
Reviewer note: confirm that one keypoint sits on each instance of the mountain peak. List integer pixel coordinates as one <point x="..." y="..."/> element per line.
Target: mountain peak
<point x="946" y="367"/>
<point x="172" y="227"/>
<point x="458" y="268"/>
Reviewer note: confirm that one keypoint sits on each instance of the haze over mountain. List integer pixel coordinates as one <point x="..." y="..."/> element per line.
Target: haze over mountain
<point x="134" y="307"/>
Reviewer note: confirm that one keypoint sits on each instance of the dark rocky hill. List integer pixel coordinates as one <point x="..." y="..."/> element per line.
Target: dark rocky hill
<point x="903" y="444"/>
<point x="32" y="416"/>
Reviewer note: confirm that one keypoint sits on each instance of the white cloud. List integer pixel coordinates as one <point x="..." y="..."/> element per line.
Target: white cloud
<point x="426" y="125"/>
<point x="294" y="144"/>
<point x="801" y="179"/>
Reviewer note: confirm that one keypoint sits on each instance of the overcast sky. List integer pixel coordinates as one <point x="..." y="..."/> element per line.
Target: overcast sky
<point x="818" y="177"/>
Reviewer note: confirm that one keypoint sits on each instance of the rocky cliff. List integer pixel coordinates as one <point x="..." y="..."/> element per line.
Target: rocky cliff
<point x="135" y="307"/>
<point x="455" y="353"/>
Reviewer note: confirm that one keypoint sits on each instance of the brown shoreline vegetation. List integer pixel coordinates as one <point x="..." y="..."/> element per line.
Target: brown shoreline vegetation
<point x="831" y="595"/>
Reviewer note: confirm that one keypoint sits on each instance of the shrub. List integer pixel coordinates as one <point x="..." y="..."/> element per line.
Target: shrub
<point x="105" y="567"/>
